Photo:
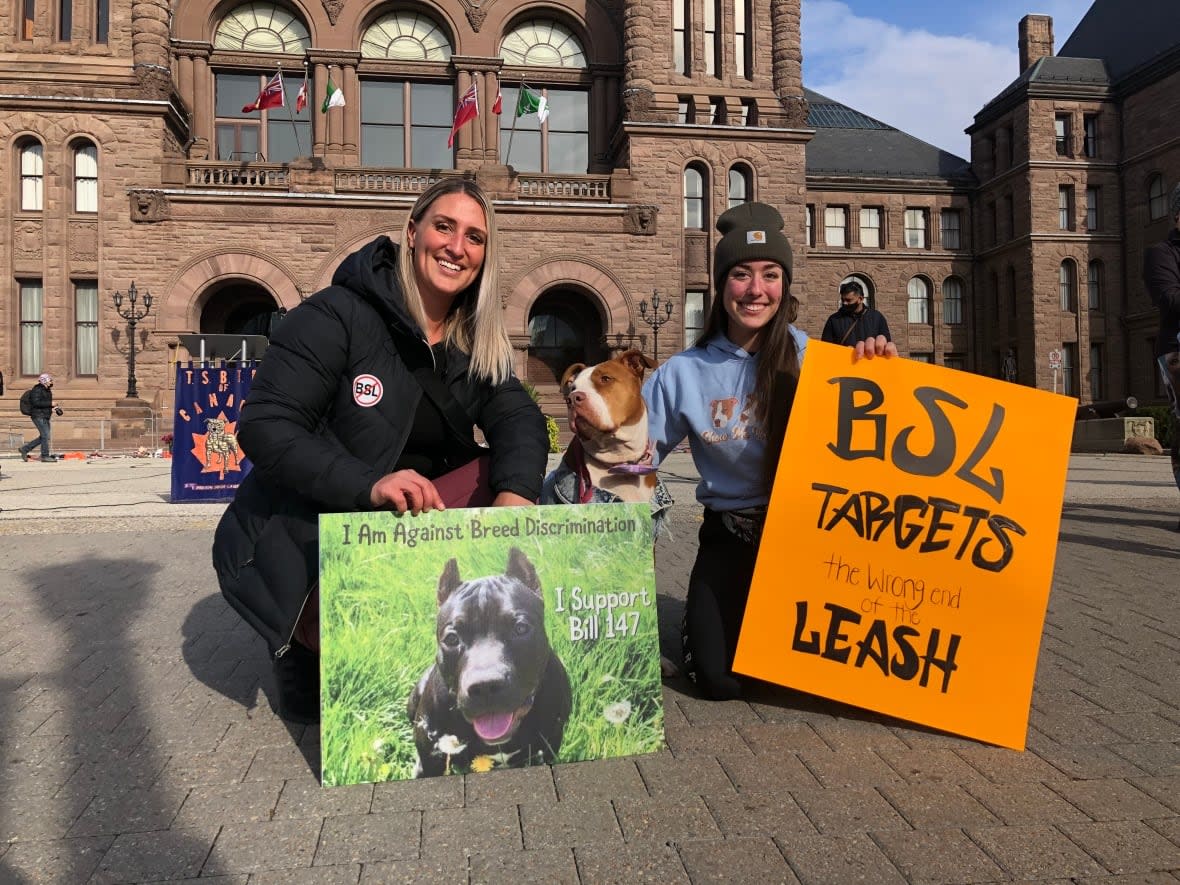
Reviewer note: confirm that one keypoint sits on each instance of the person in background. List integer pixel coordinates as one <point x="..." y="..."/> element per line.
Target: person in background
<point x="43" y="406"/>
<point x="339" y="418"/>
<point x="854" y="321"/>
<point x="730" y="395"/>
<point x="1161" y="276"/>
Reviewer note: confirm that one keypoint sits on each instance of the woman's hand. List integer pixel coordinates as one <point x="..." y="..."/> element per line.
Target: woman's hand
<point x="405" y="490"/>
<point x="511" y="499"/>
<point x="872" y="347"/>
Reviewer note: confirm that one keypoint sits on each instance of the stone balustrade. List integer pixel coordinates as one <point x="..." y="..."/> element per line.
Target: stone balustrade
<point x="564" y="187"/>
<point x="261" y="176"/>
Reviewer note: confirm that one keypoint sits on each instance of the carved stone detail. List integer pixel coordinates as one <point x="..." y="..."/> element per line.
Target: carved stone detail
<point x="84" y="241"/>
<point x="333" y="8"/>
<point x="155" y="81"/>
<point x="476" y="16"/>
<point x="641" y="220"/>
<point x="795" y="110"/>
<point x="149" y="206"/>
<point x="27" y="239"/>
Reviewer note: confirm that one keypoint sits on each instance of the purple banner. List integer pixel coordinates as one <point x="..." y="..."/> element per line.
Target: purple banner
<point x="207" y="463"/>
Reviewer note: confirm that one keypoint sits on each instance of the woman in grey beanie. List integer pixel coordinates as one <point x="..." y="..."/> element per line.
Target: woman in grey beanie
<point x="730" y="395"/>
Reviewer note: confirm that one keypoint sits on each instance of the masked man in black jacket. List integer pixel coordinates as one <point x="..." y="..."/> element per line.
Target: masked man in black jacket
<point x="854" y="321"/>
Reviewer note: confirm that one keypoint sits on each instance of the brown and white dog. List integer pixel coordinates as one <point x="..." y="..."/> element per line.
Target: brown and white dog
<point x="608" y="418"/>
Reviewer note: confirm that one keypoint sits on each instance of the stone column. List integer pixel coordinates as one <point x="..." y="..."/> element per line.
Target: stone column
<point x="184" y="78"/>
<point x="491" y="121"/>
<point x="319" y="122"/>
<point x="638" y="39"/>
<point x="203" y="102"/>
<point x="351" y="122"/>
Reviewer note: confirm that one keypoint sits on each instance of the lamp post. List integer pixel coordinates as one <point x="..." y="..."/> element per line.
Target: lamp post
<point x="133" y="314"/>
<point x="655" y="318"/>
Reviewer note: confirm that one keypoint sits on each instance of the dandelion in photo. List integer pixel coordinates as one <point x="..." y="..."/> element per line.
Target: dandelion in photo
<point x="449" y="745"/>
<point x="617" y="713"/>
<point x="483" y="763"/>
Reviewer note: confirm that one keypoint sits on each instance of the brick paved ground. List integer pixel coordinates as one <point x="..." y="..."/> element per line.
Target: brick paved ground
<point x="136" y="744"/>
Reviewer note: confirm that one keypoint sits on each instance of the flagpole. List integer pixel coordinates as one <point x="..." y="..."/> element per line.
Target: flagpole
<point x="290" y="113"/>
<point x="508" y="155"/>
<point x="479" y="124"/>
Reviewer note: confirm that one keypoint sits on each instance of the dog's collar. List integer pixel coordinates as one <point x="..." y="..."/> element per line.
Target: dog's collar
<point x="641" y="466"/>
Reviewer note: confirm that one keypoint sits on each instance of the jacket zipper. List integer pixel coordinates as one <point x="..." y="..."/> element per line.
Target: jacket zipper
<point x="286" y="647"/>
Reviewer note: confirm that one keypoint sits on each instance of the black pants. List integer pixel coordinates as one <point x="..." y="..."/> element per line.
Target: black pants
<point x="717" y="592"/>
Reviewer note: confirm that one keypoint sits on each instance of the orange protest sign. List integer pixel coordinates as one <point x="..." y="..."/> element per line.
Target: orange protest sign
<point x="908" y="551"/>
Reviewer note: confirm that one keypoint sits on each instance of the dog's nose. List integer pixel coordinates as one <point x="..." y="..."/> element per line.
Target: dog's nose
<point x="577" y="397"/>
<point x="486" y="690"/>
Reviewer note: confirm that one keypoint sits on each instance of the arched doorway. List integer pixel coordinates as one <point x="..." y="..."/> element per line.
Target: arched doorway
<point x="236" y="307"/>
<point x="565" y="327"/>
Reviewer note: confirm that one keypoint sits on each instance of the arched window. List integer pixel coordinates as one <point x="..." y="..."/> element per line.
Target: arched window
<point x="1068" y="280"/>
<point x="85" y="177"/>
<point x="952" y="301"/>
<point x="262" y="27"/>
<point x="1094" y="275"/>
<point x="694" y="197"/>
<point x="406" y="36"/>
<point x="32" y="176"/>
<point x="1157" y="199"/>
<point x="918" y="302"/>
<point x="542" y="43"/>
<point x="553" y="135"/>
<point x="741" y="185"/>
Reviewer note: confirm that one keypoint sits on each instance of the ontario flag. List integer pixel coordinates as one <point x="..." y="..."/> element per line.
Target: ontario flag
<point x="271" y="96"/>
<point x="467" y="111"/>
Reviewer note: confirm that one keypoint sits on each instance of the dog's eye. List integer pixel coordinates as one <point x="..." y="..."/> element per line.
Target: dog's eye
<point x="450" y="639"/>
<point x="522" y="628"/>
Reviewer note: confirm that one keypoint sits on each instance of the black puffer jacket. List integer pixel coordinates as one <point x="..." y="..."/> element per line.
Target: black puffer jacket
<point x="41" y="400"/>
<point x="318" y="444"/>
<point x="1161" y="276"/>
<point x="842" y="328"/>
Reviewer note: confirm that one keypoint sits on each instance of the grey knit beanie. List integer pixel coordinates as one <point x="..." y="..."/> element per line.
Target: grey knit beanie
<point x="1175" y="201"/>
<point x="750" y="232"/>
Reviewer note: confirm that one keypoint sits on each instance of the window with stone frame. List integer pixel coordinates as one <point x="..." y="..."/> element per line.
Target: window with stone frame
<point x="32" y="326"/>
<point x="277" y="39"/>
<point x="681" y="36"/>
<point x="918" y="301"/>
<point x="1097" y="373"/>
<point x="1061" y="134"/>
<point x="1094" y="285"/>
<point x="695" y="309"/>
<point x="915" y="228"/>
<point x="406" y="123"/>
<point x="743" y="46"/>
<point x="1093" y="208"/>
<point x="1069" y="369"/>
<point x="1157" y="198"/>
<point x="1067" y="281"/>
<point x="836" y="226"/>
<point x="712" y="29"/>
<point x="102" y="20"/>
<point x="560" y="143"/>
<point x="65" y="20"/>
<point x="86" y="346"/>
<point x="870" y="227"/>
<point x="952" y="301"/>
<point x="741" y="185"/>
<point x="28" y="16"/>
<point x="695" y="188"/>
<point x="1065" y="212"/>
<point x="85" y="176"/>
<point x="809" y="224"/>
<point x="32" y="175"/>
<point x="952" y="226"/>
<point x="1090" y="135"/>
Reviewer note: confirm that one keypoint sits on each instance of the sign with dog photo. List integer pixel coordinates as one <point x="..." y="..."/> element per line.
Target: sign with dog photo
<point x="472" y="639"/>
<point x="908" y="550"/>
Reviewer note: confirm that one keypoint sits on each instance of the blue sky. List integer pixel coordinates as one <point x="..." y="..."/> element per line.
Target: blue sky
<point x="924" y="66"/>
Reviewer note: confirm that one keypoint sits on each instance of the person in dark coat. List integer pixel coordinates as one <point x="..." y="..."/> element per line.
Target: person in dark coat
<point x="43" y="406"/>
<point x="337" y="421"/>
<point x="1161" y="276"/>
<point x="854" y="321"/>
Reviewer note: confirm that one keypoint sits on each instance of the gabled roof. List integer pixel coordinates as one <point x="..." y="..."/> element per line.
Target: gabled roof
<point x="1126" y="34"/>
<point x="847" y="142"/>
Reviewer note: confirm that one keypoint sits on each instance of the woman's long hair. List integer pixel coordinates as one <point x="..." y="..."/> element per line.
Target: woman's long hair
<point x="776" y="374"/>
<point x="475" y="323"/>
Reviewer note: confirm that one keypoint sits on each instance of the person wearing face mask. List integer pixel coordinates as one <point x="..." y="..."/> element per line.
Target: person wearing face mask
<point x="854" y="321"/>
<point x="730" y="395"/>
<point x="366" y="398"/>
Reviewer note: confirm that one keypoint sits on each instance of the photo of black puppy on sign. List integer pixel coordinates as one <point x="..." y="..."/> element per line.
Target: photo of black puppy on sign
<point x="496" y="688"/>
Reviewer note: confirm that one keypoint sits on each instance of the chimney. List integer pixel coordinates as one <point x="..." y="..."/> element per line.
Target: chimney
<point x="1036" y="39"/>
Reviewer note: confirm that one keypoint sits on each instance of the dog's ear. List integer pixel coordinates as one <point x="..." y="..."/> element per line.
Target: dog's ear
<point x="522" y="570"/>
<point x="448" y="580"/>
<point x="637" y="362"/>
<point x="569" y="373"/>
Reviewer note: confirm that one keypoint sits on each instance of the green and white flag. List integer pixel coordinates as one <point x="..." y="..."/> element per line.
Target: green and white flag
<point x="529" y="102"/>
<point x="334" y="98"/>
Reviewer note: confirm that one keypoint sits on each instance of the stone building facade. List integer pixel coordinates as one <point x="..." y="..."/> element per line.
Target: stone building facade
<point x="126" y="156"/>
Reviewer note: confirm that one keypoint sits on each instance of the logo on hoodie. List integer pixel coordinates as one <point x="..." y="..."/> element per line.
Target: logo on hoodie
<point x="367" y="390"/>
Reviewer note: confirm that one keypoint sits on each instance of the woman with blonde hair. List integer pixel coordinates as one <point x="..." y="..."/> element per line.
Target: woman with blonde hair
<point x="367" y="396"/>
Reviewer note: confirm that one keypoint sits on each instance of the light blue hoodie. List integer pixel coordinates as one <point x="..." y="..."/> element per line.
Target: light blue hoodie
<point x="705" y="394"/>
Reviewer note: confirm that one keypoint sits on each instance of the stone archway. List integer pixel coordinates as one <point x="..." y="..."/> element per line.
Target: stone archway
<point x="237" y="307"/>
<point x="565" y="327"/>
